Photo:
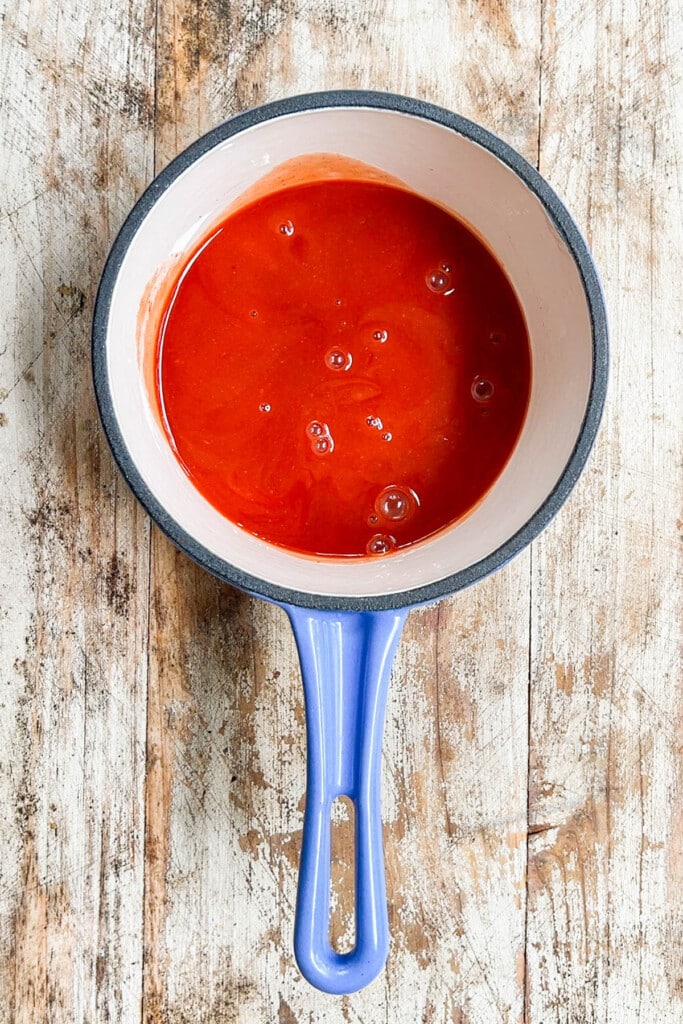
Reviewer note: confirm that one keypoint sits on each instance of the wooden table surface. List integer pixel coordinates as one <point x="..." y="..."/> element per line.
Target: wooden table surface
<point x="151" y="724"/>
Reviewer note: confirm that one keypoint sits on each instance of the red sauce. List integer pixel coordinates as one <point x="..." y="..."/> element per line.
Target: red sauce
<point x="343" y="368"/>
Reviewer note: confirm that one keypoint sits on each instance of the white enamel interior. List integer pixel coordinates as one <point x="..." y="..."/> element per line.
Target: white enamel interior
<point x="456" y="172"/>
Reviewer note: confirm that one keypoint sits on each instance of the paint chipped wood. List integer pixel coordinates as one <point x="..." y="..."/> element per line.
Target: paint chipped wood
<point x="153" y="765"/>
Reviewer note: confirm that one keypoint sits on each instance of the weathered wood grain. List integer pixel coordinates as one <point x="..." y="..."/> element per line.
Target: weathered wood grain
<point x="151" y="724"/>
<point x="605" y="856"/>
<point x="76" y="148"/>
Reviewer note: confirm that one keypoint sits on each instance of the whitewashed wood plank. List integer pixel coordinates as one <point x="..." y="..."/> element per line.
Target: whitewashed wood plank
<point x="75" y="148"/>
<point x="606" y="864"/>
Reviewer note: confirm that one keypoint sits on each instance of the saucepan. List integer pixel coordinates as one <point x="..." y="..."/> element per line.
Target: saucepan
<point x="347" y="615"/>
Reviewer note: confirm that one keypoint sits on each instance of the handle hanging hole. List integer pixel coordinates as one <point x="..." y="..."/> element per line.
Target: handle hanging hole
<point x="342" y="875"/>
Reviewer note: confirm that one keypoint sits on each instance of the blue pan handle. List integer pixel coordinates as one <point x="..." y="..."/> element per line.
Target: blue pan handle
<point x="346" y="663"/>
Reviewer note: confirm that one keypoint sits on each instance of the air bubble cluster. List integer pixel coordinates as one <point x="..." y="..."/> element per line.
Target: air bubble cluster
<point x="439" y="279"/>
<point x="320" y="438"/>
<point x="374" y="422"/>
<point x="394" y="505"/>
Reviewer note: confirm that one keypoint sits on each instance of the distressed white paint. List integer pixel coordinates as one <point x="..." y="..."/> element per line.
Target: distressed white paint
<point x="75" y="149"/>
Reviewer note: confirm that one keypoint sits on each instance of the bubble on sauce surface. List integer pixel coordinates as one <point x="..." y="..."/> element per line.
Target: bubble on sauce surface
<point x="482" y="389"/>
<point x="254" y="312"/>
<point x="380" y="544"/>
<point x="335" y="359"/>
<point x="496" y="337"/>
<point x="445" y="267"/>
<point x="396" y="504"/>
<point x="387" y="435"/>
<point x="437" y="281"/>
<point x="323" y="445"/>
<point x="374" y="422"/>
<point x="373" y="519"/>
<point x="316" y="429"/>
<point x="380" y="336"/>
<point x="286" y="228"/>
<point x="264" y="407"/>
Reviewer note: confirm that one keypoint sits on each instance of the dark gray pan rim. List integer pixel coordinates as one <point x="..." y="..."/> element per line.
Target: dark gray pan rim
<point x="565" y="227"/>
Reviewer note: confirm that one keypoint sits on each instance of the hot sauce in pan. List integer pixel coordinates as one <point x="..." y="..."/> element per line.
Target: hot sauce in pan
<point x="342" y="368"/>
